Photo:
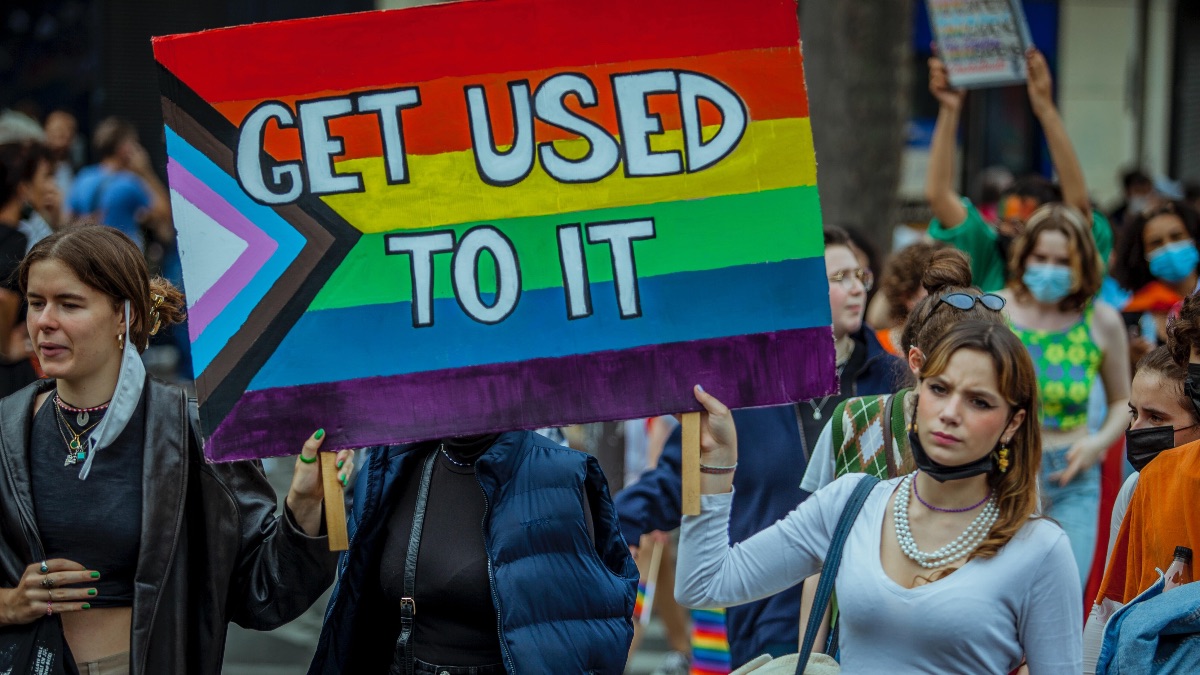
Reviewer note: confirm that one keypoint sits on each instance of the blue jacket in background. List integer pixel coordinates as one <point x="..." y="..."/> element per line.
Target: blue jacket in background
<point x="564" y="602"/>
<point x="772" y="456"/>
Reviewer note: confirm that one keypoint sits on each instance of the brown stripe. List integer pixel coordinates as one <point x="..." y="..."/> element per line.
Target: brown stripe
<point x="258" y="324"/>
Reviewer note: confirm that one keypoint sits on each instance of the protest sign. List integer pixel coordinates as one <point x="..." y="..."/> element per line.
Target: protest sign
<point x="492" y="215"/>
<point x="982" y="42"/>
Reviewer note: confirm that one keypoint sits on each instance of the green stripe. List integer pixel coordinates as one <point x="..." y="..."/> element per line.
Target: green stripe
<point x="701" y="234"/>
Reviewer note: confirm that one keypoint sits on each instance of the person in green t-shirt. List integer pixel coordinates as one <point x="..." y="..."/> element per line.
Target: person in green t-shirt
<point x="957" y="221"/>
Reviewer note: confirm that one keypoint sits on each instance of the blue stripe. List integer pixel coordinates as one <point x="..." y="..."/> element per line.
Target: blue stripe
<point x="289" y="241"/>
<point x="379" y="340"/>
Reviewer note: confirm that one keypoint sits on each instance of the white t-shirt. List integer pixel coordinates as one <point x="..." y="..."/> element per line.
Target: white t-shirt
<point x="979" y="619"/>
<point x="1119" y="509"/>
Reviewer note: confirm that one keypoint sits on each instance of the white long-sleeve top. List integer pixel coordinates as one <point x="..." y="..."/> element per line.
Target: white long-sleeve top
<point x="979" y="619"/>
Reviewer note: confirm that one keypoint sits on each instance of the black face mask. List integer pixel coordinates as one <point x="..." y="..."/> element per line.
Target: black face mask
<point x="942" y="473"/>
<point x="1191" y="385"/>
<point x="1143" y="445"/>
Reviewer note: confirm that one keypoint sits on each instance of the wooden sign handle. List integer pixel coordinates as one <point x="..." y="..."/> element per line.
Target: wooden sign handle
<point x="690" y="466"/>
<point x="335" y="503"/>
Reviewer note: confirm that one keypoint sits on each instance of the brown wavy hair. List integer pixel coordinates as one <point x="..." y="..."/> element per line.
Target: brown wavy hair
<point x="947" y="271"/>
<point x="108" y="261"/>
<point x="1183" y="332"/>
<point x="1161" y="361"/>
<point x="904" y="274"/>
<point x="1085" y="263"/>
<point x="1016" y="490"/>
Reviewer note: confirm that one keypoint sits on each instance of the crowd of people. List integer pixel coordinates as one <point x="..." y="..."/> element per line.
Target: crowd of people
<point x="982" y="384"/>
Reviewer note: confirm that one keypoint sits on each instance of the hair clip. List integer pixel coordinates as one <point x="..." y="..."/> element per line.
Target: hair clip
<point x="156" y="301"/>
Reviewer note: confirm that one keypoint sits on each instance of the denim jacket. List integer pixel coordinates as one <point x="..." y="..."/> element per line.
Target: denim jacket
<point x="1155" y="633"/>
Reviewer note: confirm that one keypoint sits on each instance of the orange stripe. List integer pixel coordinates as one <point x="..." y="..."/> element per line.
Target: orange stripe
<point x="769" y="81"/>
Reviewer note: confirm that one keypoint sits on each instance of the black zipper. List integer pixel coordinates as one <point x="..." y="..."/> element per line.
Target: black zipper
<point x="512" y="669"/>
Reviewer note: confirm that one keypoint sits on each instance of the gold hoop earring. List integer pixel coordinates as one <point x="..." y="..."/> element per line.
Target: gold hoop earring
<point x="121" y="342"/>
<point x="1002" y="457"/>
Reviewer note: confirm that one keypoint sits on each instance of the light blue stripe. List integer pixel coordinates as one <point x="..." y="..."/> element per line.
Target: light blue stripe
<point x="290" y="242"/>
<point x="379" y="340"/>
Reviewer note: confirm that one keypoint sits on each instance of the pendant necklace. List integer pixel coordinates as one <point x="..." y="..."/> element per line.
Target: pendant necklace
<point x="76" y="452"/>
<point x="82" y="415"/>
<point x="816" y="407"/>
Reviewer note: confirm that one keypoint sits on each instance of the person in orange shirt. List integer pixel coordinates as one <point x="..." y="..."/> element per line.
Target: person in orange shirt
<point x="1162" y="513"/>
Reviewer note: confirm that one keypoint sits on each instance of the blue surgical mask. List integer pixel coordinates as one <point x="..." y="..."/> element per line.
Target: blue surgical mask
<point x="1175" y="261"/>
<point x="1048" y="283"/>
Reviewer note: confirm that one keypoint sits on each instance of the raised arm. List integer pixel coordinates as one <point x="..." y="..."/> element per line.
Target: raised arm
<point x="1062" y="153"/>
<point x="939" y="181"/>
<point x="710" y="573"/>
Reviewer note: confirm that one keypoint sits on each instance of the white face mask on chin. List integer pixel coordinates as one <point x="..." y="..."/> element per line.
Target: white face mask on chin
<point x="130" y="382"/>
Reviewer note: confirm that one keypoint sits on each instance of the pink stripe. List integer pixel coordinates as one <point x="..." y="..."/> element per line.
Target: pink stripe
<point x="258" y="251"/>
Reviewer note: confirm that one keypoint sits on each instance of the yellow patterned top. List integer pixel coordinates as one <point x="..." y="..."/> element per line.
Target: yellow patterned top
<point x="1067" y="363"/>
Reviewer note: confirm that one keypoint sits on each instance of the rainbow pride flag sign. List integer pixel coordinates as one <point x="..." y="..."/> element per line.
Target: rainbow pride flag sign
<point x="492" y="215"/>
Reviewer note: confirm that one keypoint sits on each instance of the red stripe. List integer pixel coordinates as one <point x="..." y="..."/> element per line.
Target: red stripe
<point x="354" y="51"/>
<point x="770" y="82"/>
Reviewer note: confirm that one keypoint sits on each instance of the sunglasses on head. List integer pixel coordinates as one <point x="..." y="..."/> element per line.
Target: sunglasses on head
<point x="965" y="301"/>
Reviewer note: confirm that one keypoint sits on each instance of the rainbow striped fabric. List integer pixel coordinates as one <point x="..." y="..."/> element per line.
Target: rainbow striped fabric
<point x="710" y="646"/>
<point x="494" y="214"/>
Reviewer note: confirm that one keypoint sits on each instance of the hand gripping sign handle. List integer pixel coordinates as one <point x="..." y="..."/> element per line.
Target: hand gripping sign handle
<point x="335" y="503"/>
<point x="690" y="467"/>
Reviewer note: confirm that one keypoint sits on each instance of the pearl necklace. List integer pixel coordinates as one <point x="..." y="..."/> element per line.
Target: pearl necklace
<point x="962" y="545"/>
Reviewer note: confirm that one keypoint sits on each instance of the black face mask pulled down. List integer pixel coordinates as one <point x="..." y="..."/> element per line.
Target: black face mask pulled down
<point x="1143" y="445"/>
<point x="942" y="473"/>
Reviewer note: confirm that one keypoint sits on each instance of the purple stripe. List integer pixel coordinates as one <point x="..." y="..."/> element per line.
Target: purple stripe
<point x="259" y="249"/>
<point x="743" y="371"/>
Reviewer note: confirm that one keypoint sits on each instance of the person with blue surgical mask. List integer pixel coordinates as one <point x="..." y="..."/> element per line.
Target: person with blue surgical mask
<point x="1055" y="273"/>
<point x="1158" y="262"/>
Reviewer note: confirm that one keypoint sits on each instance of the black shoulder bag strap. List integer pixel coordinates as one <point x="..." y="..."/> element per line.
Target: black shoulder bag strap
<point x="402" y="660"/>
<point x="833" y="560"/>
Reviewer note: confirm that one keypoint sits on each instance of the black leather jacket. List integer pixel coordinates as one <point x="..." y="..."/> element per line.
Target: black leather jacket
<point x="212" y="550"/>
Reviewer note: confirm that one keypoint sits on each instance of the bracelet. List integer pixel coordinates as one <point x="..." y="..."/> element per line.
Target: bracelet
<point x="307" y="460"/>
<point x="704" y="468"/>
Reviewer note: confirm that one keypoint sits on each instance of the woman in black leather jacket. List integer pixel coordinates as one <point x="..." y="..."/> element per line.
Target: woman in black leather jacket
<point x="110" y="518"/>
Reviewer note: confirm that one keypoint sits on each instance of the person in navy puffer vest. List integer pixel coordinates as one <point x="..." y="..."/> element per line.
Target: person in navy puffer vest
<point x="485" y="555"/>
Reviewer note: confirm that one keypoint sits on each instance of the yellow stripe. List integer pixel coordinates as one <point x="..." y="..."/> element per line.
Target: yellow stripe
<point x="445" y="189"/>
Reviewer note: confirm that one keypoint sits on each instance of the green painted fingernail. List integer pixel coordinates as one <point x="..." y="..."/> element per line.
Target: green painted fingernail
<point x="86" y="606"/>
<point x="91" y="591"/>
<point x="345" y="480"/>
<point x="341" y="462"/>
<point x="95" y="575"/>
<point x="320" y="434"/>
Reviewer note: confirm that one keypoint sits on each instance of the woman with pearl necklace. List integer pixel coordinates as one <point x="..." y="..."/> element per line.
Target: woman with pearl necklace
<point x="946" y="569"/>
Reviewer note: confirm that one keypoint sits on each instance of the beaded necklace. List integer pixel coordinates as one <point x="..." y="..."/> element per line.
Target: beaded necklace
<point x="962" y="545"/>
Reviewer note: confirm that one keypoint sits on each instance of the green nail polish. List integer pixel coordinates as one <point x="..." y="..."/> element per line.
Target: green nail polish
<point x="95" y="575"/>
<point x="320" y="434"/>
<point x="86" y="606"/>
<point x="91" y="591"/>
<point x="345" y="480"/>
<point x="341" y="462"/>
